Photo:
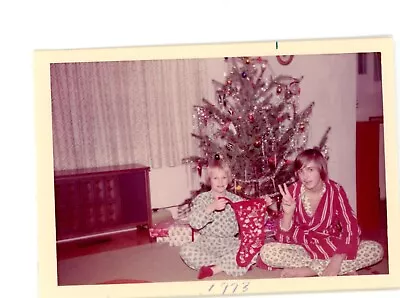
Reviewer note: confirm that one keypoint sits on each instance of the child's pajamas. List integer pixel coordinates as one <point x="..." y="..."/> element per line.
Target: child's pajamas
<point x="283" y="255"/>
<point x="313" y="239"/>
<point x="218" y="242"/>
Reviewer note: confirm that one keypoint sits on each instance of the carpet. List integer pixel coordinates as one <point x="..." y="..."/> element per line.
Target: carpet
<point x="124" y="281"/>
<point x="156" y="262"/>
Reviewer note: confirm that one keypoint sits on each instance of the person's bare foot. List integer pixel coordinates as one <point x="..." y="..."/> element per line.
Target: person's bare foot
<point x="297" y="272"/>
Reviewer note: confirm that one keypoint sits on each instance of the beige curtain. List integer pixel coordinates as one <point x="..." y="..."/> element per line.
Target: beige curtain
<point x="113" y="113"/>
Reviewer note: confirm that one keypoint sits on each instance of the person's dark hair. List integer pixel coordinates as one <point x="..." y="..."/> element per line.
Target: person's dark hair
<point x="309" y="155"/>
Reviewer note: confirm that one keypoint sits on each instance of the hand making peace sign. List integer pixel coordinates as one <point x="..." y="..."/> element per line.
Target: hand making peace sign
<point x="288" y="203"/>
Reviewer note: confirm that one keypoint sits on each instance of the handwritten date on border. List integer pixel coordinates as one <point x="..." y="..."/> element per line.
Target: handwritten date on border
<point x="226" y="288"/>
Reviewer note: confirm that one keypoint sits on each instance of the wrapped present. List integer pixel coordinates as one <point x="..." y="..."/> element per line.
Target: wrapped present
<point x="173" y="232"/>
<point x="161" y="229"/>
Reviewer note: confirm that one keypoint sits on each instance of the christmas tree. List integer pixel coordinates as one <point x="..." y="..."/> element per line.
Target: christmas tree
<point x="256" y="125"/>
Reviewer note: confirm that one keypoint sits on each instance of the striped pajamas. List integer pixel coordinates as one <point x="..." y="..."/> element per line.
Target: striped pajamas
<point x="313" y="239"/>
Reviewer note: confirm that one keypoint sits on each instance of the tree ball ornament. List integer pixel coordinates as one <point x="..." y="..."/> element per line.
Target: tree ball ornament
<point x="217" y="157"/>
<point x="229" y="82"/>
<point x="251" y="117"/>
<point x="288" y="94"/>
<point x="294" y="87"/>
<point x="279" y="89"/>
<point x="244" y="74"/>
<point x="302" y="127"/>
<point x="257" y="143"/>
<point x="199" y="169"/>
<point x="247" y="61"/>
<point x="225" y="127"/>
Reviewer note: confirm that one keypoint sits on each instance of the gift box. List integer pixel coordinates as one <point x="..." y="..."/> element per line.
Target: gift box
<point x="161" y="229"/>
<point x="173" y="232"/>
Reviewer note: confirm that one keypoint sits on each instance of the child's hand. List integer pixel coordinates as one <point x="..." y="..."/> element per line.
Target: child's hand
<point x="268" y="200"/>
<point x="218" y="204"/>
<point x="288" y="203"/>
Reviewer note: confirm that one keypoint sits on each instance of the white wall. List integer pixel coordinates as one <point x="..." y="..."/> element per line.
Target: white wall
<point x="330" y="81"/>
<point x="369" y="93"/>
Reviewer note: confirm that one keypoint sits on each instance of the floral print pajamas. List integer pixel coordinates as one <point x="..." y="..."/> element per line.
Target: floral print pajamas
<point x="218" y="242"/>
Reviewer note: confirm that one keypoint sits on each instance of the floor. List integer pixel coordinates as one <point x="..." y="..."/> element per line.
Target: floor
<point x="105" y="243"/>
<point x="140" y="237"/>
<point x="131" y="256"/>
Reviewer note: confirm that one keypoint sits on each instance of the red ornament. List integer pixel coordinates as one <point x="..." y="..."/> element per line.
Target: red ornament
<point x="199" y="168"/>
<point x="288" y="94"/>
<point x="285" y="59"/>
<point x="251" y="117"/>
<point x="225" y="127"/>
<point x="279" y="89"/>
<point x="272" y="161"/>
<point x="257" y="143"/>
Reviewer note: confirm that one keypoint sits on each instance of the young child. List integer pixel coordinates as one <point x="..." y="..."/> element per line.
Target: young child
<point x="318" y="232"/>
<point x="216" y="247"/>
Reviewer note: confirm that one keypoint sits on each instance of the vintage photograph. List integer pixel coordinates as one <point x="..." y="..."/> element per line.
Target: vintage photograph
<point x="231" y="167"/>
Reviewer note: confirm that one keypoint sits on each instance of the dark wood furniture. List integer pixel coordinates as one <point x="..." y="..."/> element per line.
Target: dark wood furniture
<point x="96" y="201"/>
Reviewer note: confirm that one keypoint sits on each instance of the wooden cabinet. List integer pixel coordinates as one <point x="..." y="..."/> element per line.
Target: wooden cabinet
<point x="95" y="201"/>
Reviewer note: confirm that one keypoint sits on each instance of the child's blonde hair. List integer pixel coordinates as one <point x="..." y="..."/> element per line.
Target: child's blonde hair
<point x="218" y="164"/>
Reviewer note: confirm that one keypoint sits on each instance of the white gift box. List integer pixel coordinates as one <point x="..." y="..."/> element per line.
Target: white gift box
<point x="178" y="233"/>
